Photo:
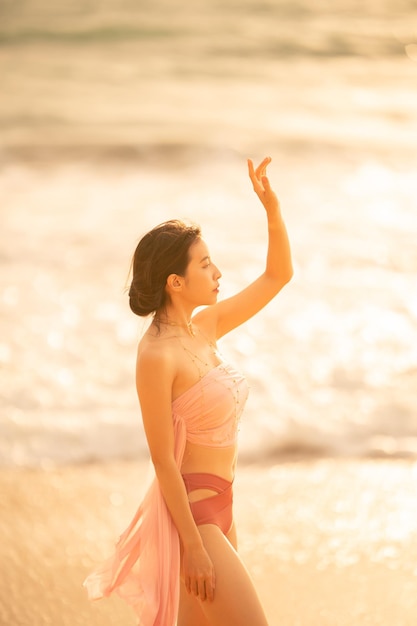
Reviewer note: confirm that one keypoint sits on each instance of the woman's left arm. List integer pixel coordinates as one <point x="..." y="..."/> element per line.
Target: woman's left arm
<point x="233" y="311"/>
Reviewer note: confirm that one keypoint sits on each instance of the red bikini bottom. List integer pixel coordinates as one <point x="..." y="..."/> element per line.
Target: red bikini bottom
<point x="214" y="509"/>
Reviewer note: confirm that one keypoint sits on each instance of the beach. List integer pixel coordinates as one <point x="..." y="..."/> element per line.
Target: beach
<point x="328" y="542"/>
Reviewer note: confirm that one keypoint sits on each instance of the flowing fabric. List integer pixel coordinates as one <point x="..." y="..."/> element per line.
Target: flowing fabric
<point x="145" y="569"/>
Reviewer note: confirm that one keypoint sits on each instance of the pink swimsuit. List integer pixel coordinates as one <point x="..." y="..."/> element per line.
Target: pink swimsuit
<point x="216" y="509"/>
<point x="145" y="569"/>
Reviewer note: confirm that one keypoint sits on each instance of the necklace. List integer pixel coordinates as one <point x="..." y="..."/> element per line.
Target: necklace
<point x="188" y="326"/>
<point x="229" y="379"/>
<point x="201" y="363"/>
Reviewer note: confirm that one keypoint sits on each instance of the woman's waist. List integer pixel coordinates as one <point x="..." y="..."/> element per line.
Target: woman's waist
<point x="210" y="460"/>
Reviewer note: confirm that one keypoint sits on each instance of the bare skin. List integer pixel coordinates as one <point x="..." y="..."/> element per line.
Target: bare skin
<point x="216" y="589"/>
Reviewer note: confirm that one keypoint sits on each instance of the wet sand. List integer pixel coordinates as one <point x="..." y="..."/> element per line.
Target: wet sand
<point x="328" y="542"/>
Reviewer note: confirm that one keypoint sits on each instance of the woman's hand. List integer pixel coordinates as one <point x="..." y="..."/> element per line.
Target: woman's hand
<point x="262" y="186"/>
<point x="198" y="572"/>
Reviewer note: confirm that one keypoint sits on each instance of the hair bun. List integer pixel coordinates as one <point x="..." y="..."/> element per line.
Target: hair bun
<point x="162" y="251"/>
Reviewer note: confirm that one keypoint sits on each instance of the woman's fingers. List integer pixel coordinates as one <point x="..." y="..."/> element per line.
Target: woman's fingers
<point x="254" y="178"/>
<point x="210" y="588"/>
<point x="261" y="184"/>
<point x="201" y="587"/>
<point x="187" y="582"/>
<point x="256" y="175"/>
<point x="251" y="170"/>
<point x="198" y="574"/>
<point x="261" y="169"/>
<point x="266" y="184"/>
<point x="206" y="589"/>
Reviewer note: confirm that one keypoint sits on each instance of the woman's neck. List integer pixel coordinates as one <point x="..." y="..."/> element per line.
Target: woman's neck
<point x="174" y="319"/>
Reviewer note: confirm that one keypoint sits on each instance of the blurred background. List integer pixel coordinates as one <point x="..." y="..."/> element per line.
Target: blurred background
<point x="116" y="115"/>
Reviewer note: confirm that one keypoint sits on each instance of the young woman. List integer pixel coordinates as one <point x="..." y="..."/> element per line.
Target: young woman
<point x="177" y="562"/>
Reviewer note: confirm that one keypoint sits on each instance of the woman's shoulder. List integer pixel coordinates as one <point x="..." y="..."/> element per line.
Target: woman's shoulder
<point x="156" y="352"/>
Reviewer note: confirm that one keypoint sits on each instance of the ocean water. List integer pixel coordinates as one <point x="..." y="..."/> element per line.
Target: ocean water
<point x="115" y="116"/>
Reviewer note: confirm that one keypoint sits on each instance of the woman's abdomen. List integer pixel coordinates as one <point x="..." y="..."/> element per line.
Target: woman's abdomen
<point x="211" y="460"/>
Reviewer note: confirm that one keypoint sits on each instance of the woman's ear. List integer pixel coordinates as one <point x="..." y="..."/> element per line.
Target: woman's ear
<point x="174" y="282"/>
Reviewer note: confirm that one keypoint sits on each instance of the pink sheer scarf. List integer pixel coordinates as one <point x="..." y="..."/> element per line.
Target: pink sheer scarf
<point x="145" y="569"/>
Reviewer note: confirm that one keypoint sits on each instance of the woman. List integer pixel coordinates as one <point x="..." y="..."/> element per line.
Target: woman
<point x="177" y="560"/>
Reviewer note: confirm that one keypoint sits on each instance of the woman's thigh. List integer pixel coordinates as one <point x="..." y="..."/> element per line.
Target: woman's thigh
<point x="235" y="599"/>
<point x="190" y="612"/>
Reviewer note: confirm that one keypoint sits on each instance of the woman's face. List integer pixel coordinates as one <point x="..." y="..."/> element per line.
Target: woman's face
<point x="202" y="276"/>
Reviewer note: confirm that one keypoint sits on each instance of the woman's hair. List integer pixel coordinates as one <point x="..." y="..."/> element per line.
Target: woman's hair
<point x="164" y="250"/>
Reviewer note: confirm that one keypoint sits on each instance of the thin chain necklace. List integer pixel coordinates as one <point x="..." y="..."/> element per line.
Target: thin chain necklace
<point x="188" y="325"/>
<point x="198" y="361"/>
<point x="228" y="382"/>
<point x="204" y="366"/>
<point x="195" y="358"/>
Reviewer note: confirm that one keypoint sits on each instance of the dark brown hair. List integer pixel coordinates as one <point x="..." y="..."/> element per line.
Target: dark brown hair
<point x="164" y="250"/>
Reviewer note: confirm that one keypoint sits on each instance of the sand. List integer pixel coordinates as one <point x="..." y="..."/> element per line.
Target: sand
<point x="328" y="542"/>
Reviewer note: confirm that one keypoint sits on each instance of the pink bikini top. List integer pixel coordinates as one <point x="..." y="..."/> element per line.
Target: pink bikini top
<point x="212" y="407"/>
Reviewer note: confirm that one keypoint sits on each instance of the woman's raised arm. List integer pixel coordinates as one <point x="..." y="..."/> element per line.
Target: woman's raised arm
<point x="231" y="312"/>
